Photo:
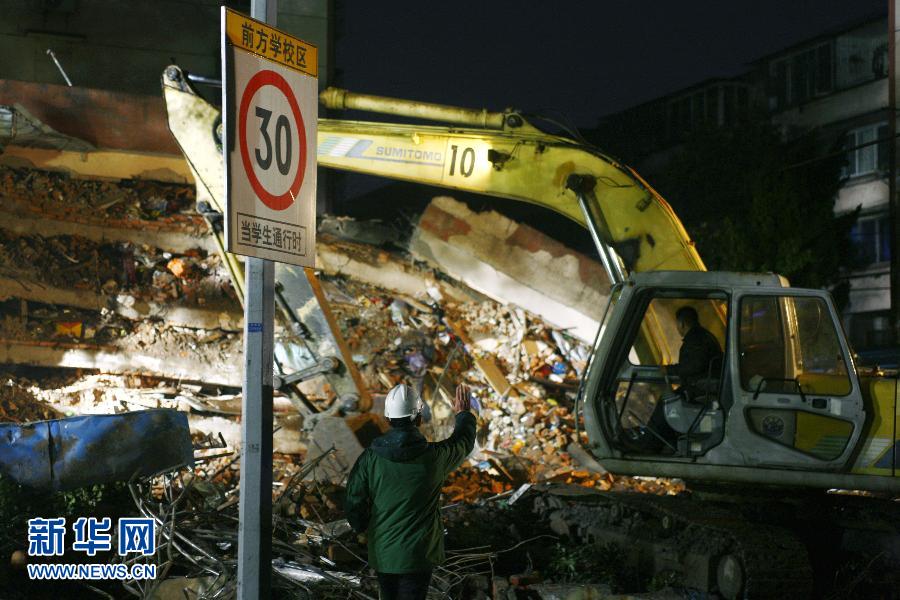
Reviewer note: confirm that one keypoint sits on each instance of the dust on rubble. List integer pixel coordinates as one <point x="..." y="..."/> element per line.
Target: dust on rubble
<point x="33" y="191"/>
<point x="18" y="404"/>
<point x="123" y="270"/>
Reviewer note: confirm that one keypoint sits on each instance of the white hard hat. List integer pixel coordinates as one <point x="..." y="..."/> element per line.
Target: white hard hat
<point x="402" y="401"/>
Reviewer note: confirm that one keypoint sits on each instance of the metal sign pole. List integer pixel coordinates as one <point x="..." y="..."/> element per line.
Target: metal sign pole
<point x="255" y="509"/>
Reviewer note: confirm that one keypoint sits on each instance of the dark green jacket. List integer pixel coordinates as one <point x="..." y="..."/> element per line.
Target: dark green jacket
<point x="393" y="494"/>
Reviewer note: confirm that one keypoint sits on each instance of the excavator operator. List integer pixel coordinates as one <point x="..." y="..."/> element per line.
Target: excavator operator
<point x="698" y="358"/>
<point x="699" y="353"/>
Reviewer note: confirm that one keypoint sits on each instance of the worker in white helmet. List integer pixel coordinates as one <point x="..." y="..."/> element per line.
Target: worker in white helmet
<point x="394" y="489"/>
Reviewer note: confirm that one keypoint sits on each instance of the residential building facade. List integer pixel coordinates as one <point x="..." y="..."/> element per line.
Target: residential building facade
<point x="837" y="84"/>
<point x="834" y="85"/>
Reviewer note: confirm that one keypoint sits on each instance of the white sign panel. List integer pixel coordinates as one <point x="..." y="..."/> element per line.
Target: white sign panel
<point x="271" y="112"/>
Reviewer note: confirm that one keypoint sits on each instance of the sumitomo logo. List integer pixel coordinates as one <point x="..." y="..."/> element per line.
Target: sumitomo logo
<point x="353" y="148"/>
<point x="413" y="154"/>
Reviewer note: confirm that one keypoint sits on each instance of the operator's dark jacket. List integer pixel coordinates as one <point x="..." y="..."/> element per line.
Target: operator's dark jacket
<point x="393" y="494"/>
<point x="698" y="349"/>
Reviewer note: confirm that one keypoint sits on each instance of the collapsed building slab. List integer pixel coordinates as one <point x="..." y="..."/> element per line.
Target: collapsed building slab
<point x="50" y="127"/>
<point x="513" y="264"/>
<point x="126" y="306"/>
<point x="192" y="236"/>
<point x="224" y="371"/>
<point x="375" y="267"/>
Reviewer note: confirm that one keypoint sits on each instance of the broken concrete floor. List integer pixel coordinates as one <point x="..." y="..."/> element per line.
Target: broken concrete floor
<point x="512" y="262"/>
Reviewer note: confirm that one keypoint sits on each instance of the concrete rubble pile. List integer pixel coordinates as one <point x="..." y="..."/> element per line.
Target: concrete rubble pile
<point x="47" y="193"/>
<point x="523" y="373"/>
<point x="126" y="348"/>
<point x="63" y="248"/>
<point x="137" y="273"/>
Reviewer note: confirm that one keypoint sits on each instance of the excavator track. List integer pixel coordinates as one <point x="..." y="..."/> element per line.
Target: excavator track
<point x="712" y="548"/>
<point x="739" y="542"/>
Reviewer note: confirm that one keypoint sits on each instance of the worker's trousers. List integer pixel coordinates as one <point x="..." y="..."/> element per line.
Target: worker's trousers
<point x="408" y="586"/>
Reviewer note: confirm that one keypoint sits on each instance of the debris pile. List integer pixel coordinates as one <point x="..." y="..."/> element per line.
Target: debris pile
<point x="123" y="271"/>
<point x="491" y="546"/>
<point x="523" y="373"/>
<point x="19" y="405"/>
<point x="47" y="193"/>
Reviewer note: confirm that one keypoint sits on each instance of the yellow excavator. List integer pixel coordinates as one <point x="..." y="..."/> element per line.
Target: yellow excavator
<point x="779" y="423"/>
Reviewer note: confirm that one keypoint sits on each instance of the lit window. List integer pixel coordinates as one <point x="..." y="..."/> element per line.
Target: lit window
<point x="866" y="150"/>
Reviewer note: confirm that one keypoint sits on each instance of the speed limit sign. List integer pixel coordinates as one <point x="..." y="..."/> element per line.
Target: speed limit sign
<point x="270" y="110"/>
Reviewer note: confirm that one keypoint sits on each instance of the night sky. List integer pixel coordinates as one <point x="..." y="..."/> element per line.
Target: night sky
<point x="579" y="59"/>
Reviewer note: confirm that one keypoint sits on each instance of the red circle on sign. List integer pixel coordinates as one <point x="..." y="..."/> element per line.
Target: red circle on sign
<point x="256" y="82"/>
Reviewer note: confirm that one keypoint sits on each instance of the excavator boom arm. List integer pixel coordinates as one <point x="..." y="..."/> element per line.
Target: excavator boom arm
<point x="531" y="167"/>
<point x="505" y="156"/>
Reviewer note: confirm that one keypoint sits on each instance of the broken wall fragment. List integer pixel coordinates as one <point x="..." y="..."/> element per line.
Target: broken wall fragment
<point x="513" y="264"/>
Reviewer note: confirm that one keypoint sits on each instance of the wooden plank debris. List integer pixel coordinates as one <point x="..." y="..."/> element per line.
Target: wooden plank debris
<point x="485" y="364"/>
<point x="365" y="399"/>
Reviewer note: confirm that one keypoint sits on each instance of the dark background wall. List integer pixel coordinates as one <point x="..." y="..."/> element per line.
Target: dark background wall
<point x="124" y="45"/>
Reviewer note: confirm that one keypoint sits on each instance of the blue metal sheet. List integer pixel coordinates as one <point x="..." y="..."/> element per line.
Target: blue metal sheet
<point x="65" y="454"/>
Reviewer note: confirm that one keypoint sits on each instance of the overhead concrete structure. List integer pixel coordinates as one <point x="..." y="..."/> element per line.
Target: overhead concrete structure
<point x="514" y="264"/>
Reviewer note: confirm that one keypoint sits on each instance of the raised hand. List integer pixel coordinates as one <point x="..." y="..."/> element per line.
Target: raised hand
<point x="462" y="402"/>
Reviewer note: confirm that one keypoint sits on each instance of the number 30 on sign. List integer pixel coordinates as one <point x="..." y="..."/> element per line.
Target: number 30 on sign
<point x="270" y="111"/>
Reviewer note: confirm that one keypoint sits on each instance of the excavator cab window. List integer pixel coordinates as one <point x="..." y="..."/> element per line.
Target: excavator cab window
<point x="659" y="410"/>
<point x="789" y="345"/>
<point x="789" y="349"/>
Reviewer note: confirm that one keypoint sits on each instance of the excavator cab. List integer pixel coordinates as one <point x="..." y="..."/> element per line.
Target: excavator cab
<point x="663" y="413"/>
<point x="783" y="393"/>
